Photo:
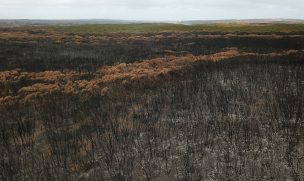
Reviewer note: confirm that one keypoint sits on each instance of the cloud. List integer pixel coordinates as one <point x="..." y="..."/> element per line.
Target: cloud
<point x="151" y="9"/>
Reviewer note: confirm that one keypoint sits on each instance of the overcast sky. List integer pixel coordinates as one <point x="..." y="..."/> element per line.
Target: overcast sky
<point x="151" y="9"/>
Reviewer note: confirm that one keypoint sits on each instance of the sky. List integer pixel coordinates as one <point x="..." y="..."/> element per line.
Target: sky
<point x="161" y="10"/>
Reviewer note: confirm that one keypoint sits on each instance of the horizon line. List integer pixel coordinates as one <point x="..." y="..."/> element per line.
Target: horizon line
<point x="232" y="19"/>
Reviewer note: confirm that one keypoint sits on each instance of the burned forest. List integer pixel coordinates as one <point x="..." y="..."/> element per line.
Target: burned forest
<point x="169" y="105"/>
